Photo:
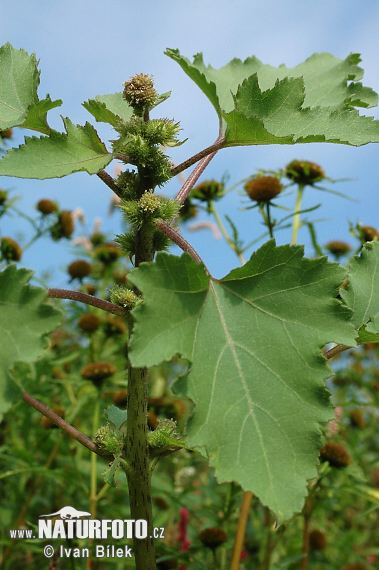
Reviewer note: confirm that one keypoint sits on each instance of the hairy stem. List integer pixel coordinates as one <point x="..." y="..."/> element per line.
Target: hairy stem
<point x="210" y="150"/>
<point x="198" y="170"/>
<point x="180" y="241"/>
<point x="65" y="426"/>
<point x="241" y="529"/>
<point x="88" y="299"/>
<point x="335" y="350"/>
<point x="110" y="182"/>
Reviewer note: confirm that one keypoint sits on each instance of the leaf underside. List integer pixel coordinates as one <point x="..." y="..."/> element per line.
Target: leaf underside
<point x="313" y="102"/>
<point x="254" y="340"/>
<point x="25" y="320"/>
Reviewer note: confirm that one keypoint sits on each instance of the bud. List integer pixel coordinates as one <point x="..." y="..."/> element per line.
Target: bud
<point x="107" y="253"/>
<point x="46" y="206"/>
<point x="213" y="537"/>
<point x="208" y="191"/>
<point x="139" y="92"/>
<point x="64" y="227"/>
<point x="317" y="540"/>
<point x="97" y="372"/>
<point x="79" y="269"/>
<point x="263" y="188"/>
<point x="89" y="322"/>
<point x="10" y="249"/>
<point x="338" y="248"/>
<point x="304" y="172"/>
<point x="369" y="233"/>
<point x="335" y="454"/>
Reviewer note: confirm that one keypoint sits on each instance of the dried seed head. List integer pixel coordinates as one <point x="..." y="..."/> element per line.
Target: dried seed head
<point x="335" y="454"/>
<point x="208" y="191"/>
<point x="3" y="197"/>
<point x="121" y="398"/>
<point x="317" y="540"/>
<point x="89" y="322"/>
<point x="89" y="288"/>
<point x="64" y="227"/>
<point x="369" y="233"/>
<point x="46" y="206"/>
<point x="97" y="372"/>
<point x="47" y="423"/>
<point x="97" y="238"/>
<point x="188" y="210"/>
<point x="139" y="92"/>
<point x="79" y="269"/>
<point x="263" y="188"/>
<point x="107" y="253"/>
<point x="304" y="172"/>
<point x="114" y="326"/>
<point x="338" y="248"/>
<point x="356" y="419"/>
<point x="10" y="249"/>
<point x="213" y="537"/>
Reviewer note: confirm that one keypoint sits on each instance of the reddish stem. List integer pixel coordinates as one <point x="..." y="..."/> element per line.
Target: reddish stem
<point x="88" y="299"/>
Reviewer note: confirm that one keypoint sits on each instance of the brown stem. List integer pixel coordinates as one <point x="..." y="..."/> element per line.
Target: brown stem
<point x="109" y="181"/>
<point x="198" y="170"/>
<point x="219" y="143"/>
<point x="65" y="426"/>
<point x="122" y="157"/>
<point x="335" y="350"/>
<point x="241" y="529"/>
<point x="88" y="299"/>
<point x="180" y="241"/>
<point x="306" y="517"/>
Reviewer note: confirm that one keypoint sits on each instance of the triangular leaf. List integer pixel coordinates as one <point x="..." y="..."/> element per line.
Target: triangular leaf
<point x="312" y="102"/>
<point x="19" y="103"/>
<point x="57" y="155"/>
<point x="254" y="339"/>
<point x="116" y="416"/>
<point x="19" y="80"/>
<point x="362" y="293"/>
<point x="25" y="320"/>
<point x="36" y="119"/>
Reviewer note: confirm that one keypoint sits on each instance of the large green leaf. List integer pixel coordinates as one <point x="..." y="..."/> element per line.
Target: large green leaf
<point x="57" y="155"/>
<point x="312" y="102"/>
<point x="19" y="103"/>
<point x="362" y="293"/>
<point x="25" y="320"/>
<point x="254" y="339"/>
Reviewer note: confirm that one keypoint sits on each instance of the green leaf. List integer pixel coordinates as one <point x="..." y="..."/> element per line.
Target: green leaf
<point x="25" y="320"/>
<point x="19" y="79"/>
<point x="116" y="416"/>
<point x="362" y="293"/>
<point x="57" y="155"/>
<point x="254" y="339"/>
<point x="110" y="472"/>
<point x="113" y="108"/>
<point x="313" y="102"/>
<point x="19" y="103"/>
<point x="36" y="119"/>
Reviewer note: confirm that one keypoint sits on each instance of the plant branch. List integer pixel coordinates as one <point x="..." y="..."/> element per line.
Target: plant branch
<point x="110" y="182"/>
<point x="85" y="298"/>
<point x="241" y="529"/>
<point x="335" y="350"/>
<point x="65" y="426"/>
<point x="180" y="241"/>
<point x="206" y="156"/>
<point x="122" y="157"/>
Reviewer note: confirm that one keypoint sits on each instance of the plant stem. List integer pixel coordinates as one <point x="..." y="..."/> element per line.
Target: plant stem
<point x="110" y="182"/>
<point x="198" y="170"/>
<point x="93" y="487"/>
<point x="270" y="225"/>
<point x="296" y="219"/>
<point x="170" y="232"/>
<point x="60" y="422"/>
<point x="138" y="471"/>
<point x="241" y="529"/>
<point x="210" y="150"/>
<point x="225" y="233"/>
<point x="88" y="299"/>
<point x="335" y="350"/>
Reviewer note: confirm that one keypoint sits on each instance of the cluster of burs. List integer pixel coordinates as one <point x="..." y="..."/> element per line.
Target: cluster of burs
<point x="141" y="143"/>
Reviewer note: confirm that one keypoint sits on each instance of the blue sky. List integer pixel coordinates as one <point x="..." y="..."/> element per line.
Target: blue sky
<point x="89" y="48"/>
